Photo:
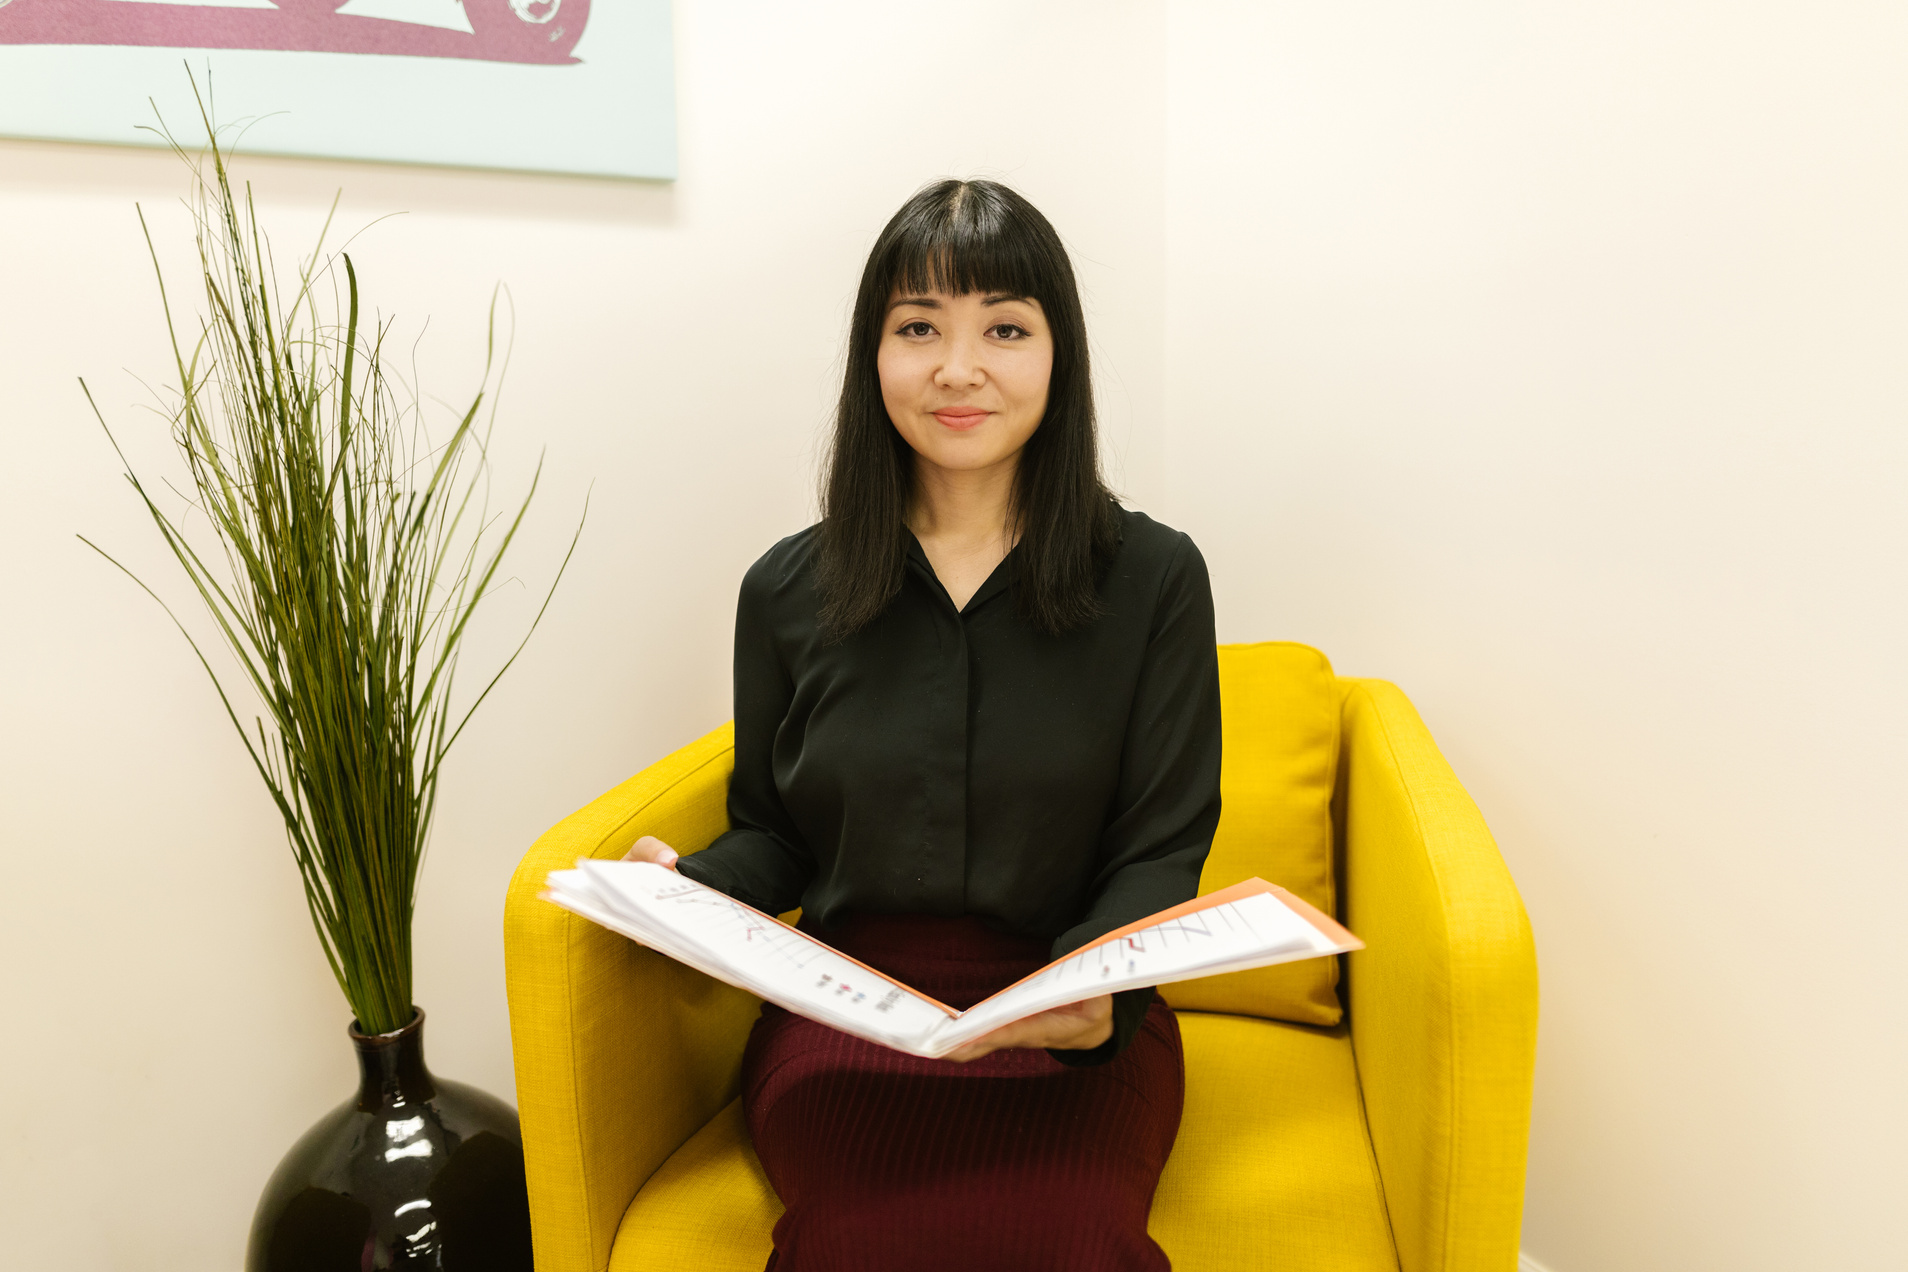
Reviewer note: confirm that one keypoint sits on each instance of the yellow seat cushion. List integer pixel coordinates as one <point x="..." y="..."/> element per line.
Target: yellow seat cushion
<point x="709" y="1209"/>
<point x="1273" y="1169"/>
<point x="1279" y="705"/>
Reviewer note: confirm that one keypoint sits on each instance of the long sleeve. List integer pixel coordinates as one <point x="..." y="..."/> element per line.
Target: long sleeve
<point x="761" y="860"/>
<point x="1167" y="804"/>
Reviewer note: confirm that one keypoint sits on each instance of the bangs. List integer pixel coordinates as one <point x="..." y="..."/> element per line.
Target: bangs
<point x="962" y="238"/>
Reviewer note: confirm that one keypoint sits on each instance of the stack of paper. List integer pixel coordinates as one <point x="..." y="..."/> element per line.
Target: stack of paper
<point x="1251" y="924"/>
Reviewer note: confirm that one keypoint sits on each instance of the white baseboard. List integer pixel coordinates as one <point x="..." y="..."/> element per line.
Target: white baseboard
<point x="1527" y="1264"/>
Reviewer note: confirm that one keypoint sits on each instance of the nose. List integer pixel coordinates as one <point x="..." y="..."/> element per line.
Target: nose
<point x="964" y="366"/>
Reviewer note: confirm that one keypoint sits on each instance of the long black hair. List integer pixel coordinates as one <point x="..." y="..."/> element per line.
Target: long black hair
<point x="963" y="237"/>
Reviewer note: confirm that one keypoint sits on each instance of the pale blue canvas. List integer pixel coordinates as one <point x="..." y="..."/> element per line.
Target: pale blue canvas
<point x="610" y="112"/>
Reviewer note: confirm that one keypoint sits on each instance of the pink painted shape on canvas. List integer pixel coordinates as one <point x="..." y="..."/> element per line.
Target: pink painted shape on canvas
<point x="538" y="31"/>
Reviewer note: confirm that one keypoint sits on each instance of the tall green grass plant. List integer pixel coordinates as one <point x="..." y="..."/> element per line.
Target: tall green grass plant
<point x="341" y="560"/>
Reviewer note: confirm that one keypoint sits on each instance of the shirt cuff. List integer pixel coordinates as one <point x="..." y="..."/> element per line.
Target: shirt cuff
<point x="709" y="873"/>
<point x="1129" y="1010"/>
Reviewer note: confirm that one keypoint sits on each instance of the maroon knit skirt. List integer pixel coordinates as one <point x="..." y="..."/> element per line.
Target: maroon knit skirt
<point x="887" y="1161"/>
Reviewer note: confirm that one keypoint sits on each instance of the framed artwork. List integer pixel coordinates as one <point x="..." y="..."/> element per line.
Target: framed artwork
<point x="538" y="85"/>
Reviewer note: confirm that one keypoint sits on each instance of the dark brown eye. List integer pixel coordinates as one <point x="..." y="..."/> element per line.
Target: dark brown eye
<point x="915" y="328"/>
<point x="1008" y="331"/>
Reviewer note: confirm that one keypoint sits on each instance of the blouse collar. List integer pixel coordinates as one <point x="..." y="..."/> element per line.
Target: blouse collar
<point x="995" y="584"/>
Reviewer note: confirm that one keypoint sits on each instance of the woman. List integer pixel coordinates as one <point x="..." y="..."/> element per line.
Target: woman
<point x="977" y="726"/>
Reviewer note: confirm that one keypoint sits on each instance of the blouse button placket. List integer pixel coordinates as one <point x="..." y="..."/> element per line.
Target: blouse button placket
<point x="943" y="869"/>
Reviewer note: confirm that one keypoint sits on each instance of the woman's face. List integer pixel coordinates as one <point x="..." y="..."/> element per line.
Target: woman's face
<point x="965" y="378"/>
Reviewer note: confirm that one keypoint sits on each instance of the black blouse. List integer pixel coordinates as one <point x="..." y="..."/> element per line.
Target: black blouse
<point x="952" y="762"/>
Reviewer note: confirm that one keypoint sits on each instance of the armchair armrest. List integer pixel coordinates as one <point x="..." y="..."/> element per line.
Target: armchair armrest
<point x="621" y="1054"/>
<point x="1444" y="999"/>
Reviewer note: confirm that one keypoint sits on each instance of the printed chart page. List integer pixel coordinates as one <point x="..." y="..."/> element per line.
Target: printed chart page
<point x="716" y="934"/>
<point x="1250" y="924"/>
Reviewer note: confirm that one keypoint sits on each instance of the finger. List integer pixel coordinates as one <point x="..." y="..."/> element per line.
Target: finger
<point x="972" y="1051"/>
<point x="651" y="849"/>
<point x="1067" y="1027"/>
<point x="1004" y="1038"/>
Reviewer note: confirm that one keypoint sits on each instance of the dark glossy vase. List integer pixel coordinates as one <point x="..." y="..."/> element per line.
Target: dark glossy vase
<point x="415" y="1173"/>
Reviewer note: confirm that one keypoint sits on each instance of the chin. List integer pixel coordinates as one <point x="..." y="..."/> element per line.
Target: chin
<point x="964" y="459"/>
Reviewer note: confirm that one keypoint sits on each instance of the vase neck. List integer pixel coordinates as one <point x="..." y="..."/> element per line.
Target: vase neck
<point x="391" y="1070"/>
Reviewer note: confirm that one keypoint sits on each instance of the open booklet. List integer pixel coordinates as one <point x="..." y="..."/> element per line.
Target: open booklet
<point x="1250" y="924"/>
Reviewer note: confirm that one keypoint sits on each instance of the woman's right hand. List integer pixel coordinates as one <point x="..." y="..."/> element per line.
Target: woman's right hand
<point x="651" y="849"/>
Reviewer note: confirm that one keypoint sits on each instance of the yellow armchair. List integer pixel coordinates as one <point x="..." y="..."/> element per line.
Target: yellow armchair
<point x="1394" y="1141"/>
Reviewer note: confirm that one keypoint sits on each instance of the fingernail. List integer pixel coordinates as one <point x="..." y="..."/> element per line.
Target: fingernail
<point x="668" y="856"/>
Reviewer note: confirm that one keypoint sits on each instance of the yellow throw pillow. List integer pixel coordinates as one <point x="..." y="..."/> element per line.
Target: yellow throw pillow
<point x="1279" y="705"/>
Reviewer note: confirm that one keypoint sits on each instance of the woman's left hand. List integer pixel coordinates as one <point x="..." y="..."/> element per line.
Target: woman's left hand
<point x="1079" y="1026"/>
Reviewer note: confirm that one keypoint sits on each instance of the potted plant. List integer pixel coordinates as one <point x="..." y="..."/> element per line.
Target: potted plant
<point x="342" y="557"/>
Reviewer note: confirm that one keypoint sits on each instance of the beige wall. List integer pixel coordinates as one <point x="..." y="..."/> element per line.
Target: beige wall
<point x="1548" y="363"/>
<point x="1552" y="361"/>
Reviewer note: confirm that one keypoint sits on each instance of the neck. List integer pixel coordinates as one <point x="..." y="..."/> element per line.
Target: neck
<point x="965" y="506"/>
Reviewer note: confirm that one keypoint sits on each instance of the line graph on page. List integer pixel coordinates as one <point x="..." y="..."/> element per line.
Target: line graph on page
<point x="710" y="930"/>
<point x="729" y="920"/>
<point x="1226" y="934"/>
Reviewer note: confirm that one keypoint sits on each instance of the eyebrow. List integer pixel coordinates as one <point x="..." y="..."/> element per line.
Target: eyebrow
<point x="928" y="302"/>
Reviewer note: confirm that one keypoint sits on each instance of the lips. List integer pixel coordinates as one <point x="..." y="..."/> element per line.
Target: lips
<point x="961" y="417"/>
